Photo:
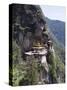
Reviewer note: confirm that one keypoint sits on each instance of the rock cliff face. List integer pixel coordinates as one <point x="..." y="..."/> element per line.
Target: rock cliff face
<point x="28" y="30"/>
<point x="28" y="24"/>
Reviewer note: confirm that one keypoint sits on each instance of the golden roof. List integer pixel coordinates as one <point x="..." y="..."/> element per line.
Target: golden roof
<point x="38" y="46"/>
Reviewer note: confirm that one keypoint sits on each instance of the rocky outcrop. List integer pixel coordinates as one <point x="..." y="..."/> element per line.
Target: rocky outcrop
<point x="28" y="24"/>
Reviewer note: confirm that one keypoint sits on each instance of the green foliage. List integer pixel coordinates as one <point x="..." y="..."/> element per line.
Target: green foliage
<point x="52" y="68"/>
<point x="16" y="53"/>
<point x="34" y="77"/>
<point x="23" y="73"/>
<point x="16" y="72"/>
<point x="30" y="77"/>
<point x="60" y="69"/>
<point x="60" y="52"/>
<point x="56" y="68"/>
<point x="40" y="67"/>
